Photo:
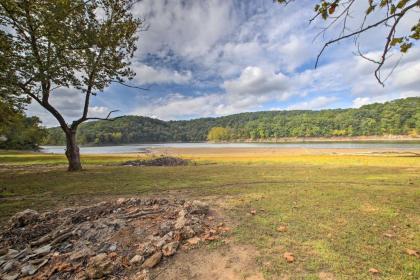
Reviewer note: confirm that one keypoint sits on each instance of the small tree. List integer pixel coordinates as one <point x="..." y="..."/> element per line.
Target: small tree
<point x="78" y="44"/>
<point x="219" y="134"/>
<point x="389" y="16"/>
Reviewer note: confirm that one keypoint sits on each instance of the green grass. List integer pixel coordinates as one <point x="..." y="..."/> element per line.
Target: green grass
<point x="337" y="208"/>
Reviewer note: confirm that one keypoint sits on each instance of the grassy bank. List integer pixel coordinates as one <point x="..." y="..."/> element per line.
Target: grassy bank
<point x="345" y="214"/>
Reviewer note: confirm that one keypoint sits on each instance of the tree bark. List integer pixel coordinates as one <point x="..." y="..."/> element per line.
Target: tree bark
<point x="72" y="151"/>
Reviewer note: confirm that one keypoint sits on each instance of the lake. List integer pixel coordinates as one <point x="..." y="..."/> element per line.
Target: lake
<point x="141" y="148"/>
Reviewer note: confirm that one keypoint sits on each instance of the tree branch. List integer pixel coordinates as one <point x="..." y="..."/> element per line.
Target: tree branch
<point x="129" y="86"/>
<point x="107" y="118"/>
<point x="397" y="15"/>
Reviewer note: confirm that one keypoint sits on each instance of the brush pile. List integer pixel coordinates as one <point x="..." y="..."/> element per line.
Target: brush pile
<point x="160" y="161"/>
<point x="122" y="239"/>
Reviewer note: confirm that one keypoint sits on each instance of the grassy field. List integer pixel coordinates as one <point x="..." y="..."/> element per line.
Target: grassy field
<point x="344" y="214"/>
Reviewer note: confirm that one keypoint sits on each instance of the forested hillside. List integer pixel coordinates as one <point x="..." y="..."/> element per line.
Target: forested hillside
<point x="398" y="117"/>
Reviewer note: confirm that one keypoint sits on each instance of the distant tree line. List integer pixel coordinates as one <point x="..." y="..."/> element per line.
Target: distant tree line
<point x="398" y="117"/>
<point x="17" y="131"/>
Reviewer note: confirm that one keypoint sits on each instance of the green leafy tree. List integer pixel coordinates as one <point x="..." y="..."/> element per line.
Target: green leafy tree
<point x="17" y="131"/>
<point x="218" y="134"/>
<point x="380" y="14"/>
<point x="82" y="45"/>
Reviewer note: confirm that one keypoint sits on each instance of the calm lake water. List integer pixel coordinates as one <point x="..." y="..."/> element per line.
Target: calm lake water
<point x="141" y="148"/>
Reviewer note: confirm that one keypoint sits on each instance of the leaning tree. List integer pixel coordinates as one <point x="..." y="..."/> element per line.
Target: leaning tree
<point x="81" y="45"/>
<point x="379" y="15"/>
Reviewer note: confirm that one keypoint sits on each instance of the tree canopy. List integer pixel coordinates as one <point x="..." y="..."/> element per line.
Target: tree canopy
<point x="81" y="45"/>
<point x="17" y="131"/>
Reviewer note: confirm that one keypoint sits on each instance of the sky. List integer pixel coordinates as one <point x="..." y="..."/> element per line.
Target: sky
<point x="219" y="57"/>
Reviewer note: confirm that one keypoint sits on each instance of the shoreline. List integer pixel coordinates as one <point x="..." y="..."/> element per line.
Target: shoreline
<point x="335" y="139"/>
<point x="403" y="139"/>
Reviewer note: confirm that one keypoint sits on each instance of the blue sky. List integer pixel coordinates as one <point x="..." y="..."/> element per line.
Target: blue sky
<point x="220" y="57"/>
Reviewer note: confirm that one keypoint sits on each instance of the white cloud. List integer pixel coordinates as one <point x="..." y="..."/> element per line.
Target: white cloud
<point x="361" y="101"/>
<point x="255" y="81"/>
<point x="320" y="102"/>
<point x="148" y="75"/>
<point x="249" y="92"/>
<point x="188" y="28"/>
<point x="98" y="111"/>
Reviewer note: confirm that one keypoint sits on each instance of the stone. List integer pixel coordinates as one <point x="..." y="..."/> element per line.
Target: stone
<point x="197" y="228"/>
<point x="198" y="207"/>
<point x="169" y="249"/>
<point x="28" y="269"/>
<point x="159" y="243"/>
<point x="142" y="275"/>
<point x="194" y="241"/>
<point x="180" y="222"/>
<point x="81" y="254"/>
<point x="99" y="266"/>
<point x="187" y="232"/>
<point x="24" y="218"/>
<point x="112" y="248"/>
<point x="147" y="249"/>
<point x="141" y="232"/>
<point x="137" y="259"/>
<point x="153" y="260"/>
<point x="165" y="227"/>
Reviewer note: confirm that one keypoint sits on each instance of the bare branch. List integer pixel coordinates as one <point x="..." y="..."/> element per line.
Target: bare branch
<point x="396" y="15"/>
<point x="107" y="118"/>
<point x="129" y="86"/>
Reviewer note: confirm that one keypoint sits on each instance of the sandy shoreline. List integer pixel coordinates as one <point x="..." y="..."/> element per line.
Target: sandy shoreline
<point x="337" y="139"/>
<point x="282" y="151"/>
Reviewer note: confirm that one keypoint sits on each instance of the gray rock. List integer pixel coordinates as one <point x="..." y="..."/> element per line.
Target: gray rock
<point x="159" y="243"/>
<point x="148" y="249"/>
<point x="197" y="228"/>
<point x="180" y="222"/>
<point x="164" y="228"/>
<point x="187" y="232"/>
<point x="112" y="248"/>
<point x="99" y="266"/>
<point x="153" y="260"/>
<point x="28" y="269"/>
<point x="137" y="259"/>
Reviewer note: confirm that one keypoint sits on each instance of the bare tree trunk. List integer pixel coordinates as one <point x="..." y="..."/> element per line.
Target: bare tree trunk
<point x="72" y="151"/>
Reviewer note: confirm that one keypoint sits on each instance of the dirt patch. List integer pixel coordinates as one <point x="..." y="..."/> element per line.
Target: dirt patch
<point x="228" y="262"/>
